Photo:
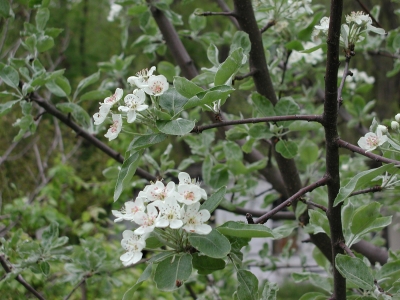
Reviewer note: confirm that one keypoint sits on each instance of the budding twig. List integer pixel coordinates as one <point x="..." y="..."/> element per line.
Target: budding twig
<point x="346" y="249"/>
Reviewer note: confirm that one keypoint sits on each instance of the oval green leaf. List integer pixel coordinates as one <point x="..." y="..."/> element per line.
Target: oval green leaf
<point x="213" y="244"/>
<point x="244" y="230"/>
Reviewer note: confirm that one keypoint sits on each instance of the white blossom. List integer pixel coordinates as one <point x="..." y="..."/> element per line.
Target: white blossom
<point x="170" y="213"/>
<point x="134" y="102"/>
<point x="311" y="58"/>
<point x="156" y="85"/>
<point x="141" y="78"/>
<point x="106" y="106"/>
<point x="363" y="21"/>
<point x="129" y="210"/>
<point x="115" y="128"/>
<point x="397" y="117"/>
<point x="184" y="178"/>
<point x="371" y="141"/>
<point x="158" y="191"/>
<point x="395" y="125"/>
<point x="190" y="193"/>
<point x="194" y="219"/>
<point x="134" y="245"/>
<point x="114" y="12"/>
<point x="147" y="221"/>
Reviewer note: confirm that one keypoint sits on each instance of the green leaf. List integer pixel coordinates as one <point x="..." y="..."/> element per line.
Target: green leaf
<point x="86" y="82"/>
<point x="212" y="54"/>
<point x="362" y="180"/>
<point x="175" y="127"/>
<point x="49" y="235"/>
<point x="213" y="244"/>
<point x="79" y="114"/>
<point x="95" y="95"/>
<point x="240" y="40"/>
<point x="263" y="105"/>
<point x="220" y="92"/>
<point x="145" y="141"/>
<point x="355" y="271"/>
<point x="197" y="23"/>
<point x="167" y="69"/>
<point x="128" y="169"/>
<point x="5" y="8"/>
<point x="304" y="126"/>
<point x="229" y="67"/>
<point x="206" y="265"/>
<point x="206" y="169"/>
<point x="269" y="291"/>
<point x="42" y="16"/>
<point x="44" y="43"/>
<point x="308" y="152"/>
<point x="128" y="295"/>
<point x="5" y="107"/>
<point x="243" y="230"/>
<point x="59" y="86"/>
<point x="172" y="272"/>
<point x="45" y="268"/>
<point x="248" y="285"/>
<point x="212" y="203"/>
<point x="172" y="101"/>
<point x="10" y="76"/>
<point x="219" y="178"/>
<point x="294" y="45"/>
<point x="111" y="172"/>
<point x="286" y="106"/>
<point x="389" y="269"/>
<point x="313" y="296"/>
<point x="318" y="222"/>
<point x="186" y="88"/>
<point x="287" y="149"/>
<point x="232" y="151"/>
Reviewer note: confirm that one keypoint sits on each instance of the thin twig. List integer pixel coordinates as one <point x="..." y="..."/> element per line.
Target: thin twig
<point x="384" y="53"/>
<point x="82" y="281"/>
<point x="309" y="118"/>
<point x="191" y="291"/>
<point x="346" y="249"/>
<point x="19" y="278"/>
<point x="284" y="70"/>
<point x="217" y="13"/>
<point x="241" y="77"/>
<point x="375" y="157"/>
<point x="308" y="202"/>
<point x="373" y="189"/>
<point x="264" y="218"/>
<point x="267" y="26"/>
<point x="226" y="8"/>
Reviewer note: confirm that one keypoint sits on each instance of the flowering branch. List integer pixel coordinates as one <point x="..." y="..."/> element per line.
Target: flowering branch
<point x="51" y="109"/>
<point x="264" y="218"/>
<point x="309" y="118"/>
<point x="19" y="278"/>
<point x="375" y="157"/>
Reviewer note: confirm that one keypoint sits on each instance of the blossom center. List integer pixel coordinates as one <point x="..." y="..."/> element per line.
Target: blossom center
<point x="372" y="141"/>
<point x="157" y="87"/>
<point x="189" y="196"/>
<point x="114" y="127"/>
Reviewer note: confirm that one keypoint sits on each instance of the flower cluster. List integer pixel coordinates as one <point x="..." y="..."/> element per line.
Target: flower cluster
<point x="169" y="210"/>
<point x="146" y="83"/>
<point x="372" y="140"/>
<point x="358" y="23"/>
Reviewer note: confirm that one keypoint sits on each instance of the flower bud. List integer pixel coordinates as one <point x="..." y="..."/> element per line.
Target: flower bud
<point x="395" y="125"/>
<point x="397" y="117"/>
<point x="382" y="128"/>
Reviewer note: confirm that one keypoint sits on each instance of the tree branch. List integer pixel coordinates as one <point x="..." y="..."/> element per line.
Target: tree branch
<point x="264" y="218"/>
<point x="375" y="157"/>
<point x="19" y="278"/>
<point x="51" y="109"/>
<point x="218" y="13"/>
<point x="331" y="135"/>
<point x="267" y="26"/>
<point x="309" y="118"/>
<point x="225" y="7"/>
<point x="346" y="249"/>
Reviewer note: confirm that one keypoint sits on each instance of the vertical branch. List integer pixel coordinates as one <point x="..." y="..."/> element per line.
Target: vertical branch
<point x="331" y="135"/>
<point x="247" y="21"/>
<point x="174" y="43"/>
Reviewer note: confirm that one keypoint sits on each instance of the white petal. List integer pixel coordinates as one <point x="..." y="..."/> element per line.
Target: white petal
<point x="175" y="224"/>
<point x="203" y="229"/>
<point x="131" y="116"/>
<point x="204" y="215"/>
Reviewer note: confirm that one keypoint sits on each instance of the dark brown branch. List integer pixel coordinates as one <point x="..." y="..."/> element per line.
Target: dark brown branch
<point x="267" y="26"/>
<point x="225" y="7"/>
<point x="309" y="118"/>
<point x="331" y="135"/>
<point x="384" y="53"/>
<point x="373" y="253"/>
<point x="249" y="218"/>
<point x="373" y="189"/>
<point x="19" y="278"/>
<point x="217" y="13"/>
<point x="308" y="202"/>
<point x="375" y="157"/>
<point x="346" y="249"/>
<point x="174" y="43"/>
<point x="366" y="10"/>
<point x="241" y="77"/>
<point x="264" y="218"/>
<point x="51" y="109"/>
